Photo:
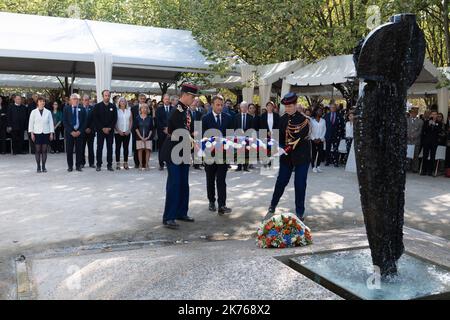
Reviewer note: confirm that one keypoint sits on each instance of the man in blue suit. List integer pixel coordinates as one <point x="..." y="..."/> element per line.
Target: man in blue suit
<point x="216" y="173"/>
<point x="335" y="132"/>
<point x="75" y="120"/>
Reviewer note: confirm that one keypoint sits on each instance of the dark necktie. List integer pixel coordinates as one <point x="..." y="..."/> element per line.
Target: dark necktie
<point x="243" y="122"/>
<point x="218" y="121"/>
<point x="333" y="117"/>
<point x="74" y="116"/>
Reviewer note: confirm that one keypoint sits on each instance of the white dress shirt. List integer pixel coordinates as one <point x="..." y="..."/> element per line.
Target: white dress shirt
<point x="349" y="129"/>
<point x="270" y="121"/>
<point x="215" y="116"/>
<point x="318" y="129"/>
<point x="41" y="123"/>
<point x="123" y="120"/>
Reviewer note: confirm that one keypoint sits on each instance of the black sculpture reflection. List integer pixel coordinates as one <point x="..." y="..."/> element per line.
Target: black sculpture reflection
<point x="389" y="61"/>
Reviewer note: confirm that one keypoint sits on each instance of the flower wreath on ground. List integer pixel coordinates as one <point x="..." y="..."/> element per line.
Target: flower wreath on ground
<point x="283" y="231"/>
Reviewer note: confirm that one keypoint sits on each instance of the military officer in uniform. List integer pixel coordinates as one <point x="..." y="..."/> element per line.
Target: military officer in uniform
<point x="294" y="141"/>
<point x="177" y="188"/>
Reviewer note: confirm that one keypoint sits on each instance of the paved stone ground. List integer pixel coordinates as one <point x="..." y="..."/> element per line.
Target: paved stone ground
<point x="57" y="209"/>
<point x="217" y="270"/>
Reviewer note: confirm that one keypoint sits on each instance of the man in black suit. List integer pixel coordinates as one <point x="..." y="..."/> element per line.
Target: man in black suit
<point x="74" y="119"/>
<point x="162" y="115"/>
<point x="89" y="133"/>
<point x="216" y="169"/>
<point x="335" y="132"/>
<point x="17" y="124"/>
<point x="243" y="121"/>
<point x="196" y="115"/>
<point x="105" y="118"/>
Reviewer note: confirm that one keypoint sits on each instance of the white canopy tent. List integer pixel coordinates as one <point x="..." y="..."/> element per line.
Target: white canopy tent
<point x="85" y="84"/>
<point x="258" y="77"/>
<point x="40" y="45"/>
<point x="318" y="79"/>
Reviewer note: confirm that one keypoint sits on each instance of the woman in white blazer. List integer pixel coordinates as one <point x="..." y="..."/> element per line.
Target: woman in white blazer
<point x="317" y="137"/>
<point x="42" y="130"/>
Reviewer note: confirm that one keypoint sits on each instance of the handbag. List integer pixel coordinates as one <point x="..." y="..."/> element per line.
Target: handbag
<point x="342" y="146"/>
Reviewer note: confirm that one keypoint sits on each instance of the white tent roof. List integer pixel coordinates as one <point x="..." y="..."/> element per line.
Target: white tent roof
<point x="51" y="82"/>
<point x="340" y="69"/>
<point x="325" y="72"/>
<point x="266" y="74"/>
<point x="43" y="45"/>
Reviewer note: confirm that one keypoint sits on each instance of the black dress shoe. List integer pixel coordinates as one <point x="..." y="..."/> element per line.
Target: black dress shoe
<point x="223" y="210"/>
<point x="70" y="169"/>
<point x="110" y="169"/>
<point x="246" y="170"/>
<point x="82" y="166"/>
<point x="39" y="170"/>
<point x="99" y="169"/>
<point x="197" y="167"/>
<point x="212" y="207"/>
<point x="171" y="224"/>
<point x="327" y="164"/>
<point x="91" y="166"/>
<point x="239" y="169"/>
<point x="44" y="170"/>
<point x="161" y="168"/>
<point x="79" y="169"/>
<point x="186" y="219"/>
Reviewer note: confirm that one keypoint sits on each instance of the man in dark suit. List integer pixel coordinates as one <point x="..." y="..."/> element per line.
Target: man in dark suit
<point x="335" y="132"/>
<point x="196" y="115"/>
<point x="243" y="121"/>
<point x="89" y="133"/>
<point x="105" y="118"/>
<point x="17" y="124"/>
<point x="162" y="115"/>
<point x="75" y="120"/>
<point x="216" y="167"/>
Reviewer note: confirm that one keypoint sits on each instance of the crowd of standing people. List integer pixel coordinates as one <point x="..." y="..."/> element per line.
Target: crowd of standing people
<point x="76" y="122"/>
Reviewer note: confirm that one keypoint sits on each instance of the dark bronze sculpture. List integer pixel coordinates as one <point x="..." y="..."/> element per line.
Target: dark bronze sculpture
<point x="389" y="61"/>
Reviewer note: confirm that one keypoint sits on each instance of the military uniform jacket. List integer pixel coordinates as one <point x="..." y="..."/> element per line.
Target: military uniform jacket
<point x="178" y="119"/>
<point x="294" y="132"/>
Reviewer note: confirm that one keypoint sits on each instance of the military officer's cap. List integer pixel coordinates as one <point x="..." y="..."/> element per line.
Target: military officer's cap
<point x="189" y="88"/>
<point x="290" y="98"/>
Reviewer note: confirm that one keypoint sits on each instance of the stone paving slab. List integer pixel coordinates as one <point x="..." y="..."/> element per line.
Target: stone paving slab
<point x="202" y="270"/>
